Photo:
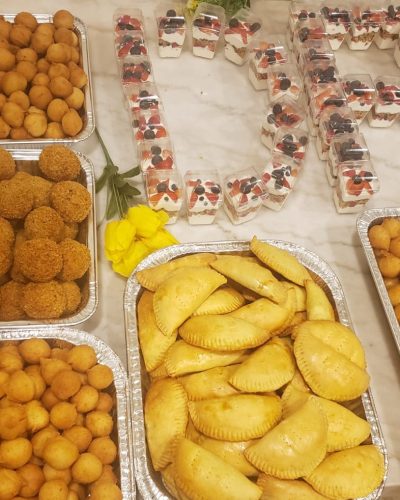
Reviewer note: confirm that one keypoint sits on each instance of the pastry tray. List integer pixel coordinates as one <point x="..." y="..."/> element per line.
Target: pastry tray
<point x="88" y="108"/>
<point x="148" y="481"/>
<point x="366" y="220"/>
<point x="26" y="160"/>
<point x="122" y="433"/>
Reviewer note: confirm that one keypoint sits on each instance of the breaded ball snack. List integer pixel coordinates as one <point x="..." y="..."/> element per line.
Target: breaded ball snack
<point x="26" y="19"/>
<point x="7" y="165"/>
<point x="54" y="131"/>
<point x="10" y="301"/>
<point x="58" y="163"/>
<point x="72" y="123"/>
<point x="76" y="99"/>
<point x="60" y="87"/>
<point x="40" y="96"/>
<point x="63" y="19"/>
<point x="13" y="81"/>
<point x="27" y="69"/>
<point x="13" y="114"/>
<point x="7" y="59"/>
<point x="20" y="98"/>
<point x="4" y="129"/>
<point x="7" y="236"/>
<point x="71" y="200"/>
<point x="41" y="191"/>
<point x="26" y="54"/>
<point x="44" y="222"/>
<point x="41" y="41"/>
<point x="58" y="53"/>
<point x="36" y="124"/>
<point x="43" y="300"/>
<point x="16" y="199"/>
<point x="39" y="260"/>
<point x="20" y="35"/>
<point x="73" y="296"/>
<point x="76" y="260"/>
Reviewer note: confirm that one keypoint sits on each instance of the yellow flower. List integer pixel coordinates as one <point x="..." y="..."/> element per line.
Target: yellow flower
<point x="161" y="239"/>
<point x="118" y="238"/>
<point x="136" y="252"/>
<point x="146" y="221"/>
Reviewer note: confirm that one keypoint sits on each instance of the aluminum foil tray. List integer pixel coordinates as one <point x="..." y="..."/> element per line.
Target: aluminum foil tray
<point x="122" y="433"/>
<point x="26" y="160"/>
<point x="88" y="108"/>
<point x="148" y="481"/>
<point x="366" y="220"/>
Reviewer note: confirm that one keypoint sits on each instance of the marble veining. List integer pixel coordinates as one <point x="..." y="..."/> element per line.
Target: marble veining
<point x="214" y="117"/>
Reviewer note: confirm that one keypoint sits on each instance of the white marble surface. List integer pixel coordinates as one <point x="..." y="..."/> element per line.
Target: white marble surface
<point x="214" y="117"/>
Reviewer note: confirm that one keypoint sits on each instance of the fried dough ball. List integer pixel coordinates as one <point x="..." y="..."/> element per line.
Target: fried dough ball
<point x="72" y="123"/>
<point x="78" y="78"/>
<point x="100" y="376"/>
<point x="58" y="69"/>
<point x="60" y="86"/>
<point x="38" y="381"/>
<point x="16" y="199"/>
<point x="50" y="368"/>
<point x="32" y="478"/>
<point x="59" y="353"/>
<point x="58" y="53"/>
<point x="54" y="131"/>
<point x="26" y="19"/>
<point x="13" y="114"/>
<point x="63" y="415"/>
<point x="15" y="453"/>
<point x="7" y="165"/>
<point x="105" y="402"/>
<point x="99" y="423"/>
<point x="85" y="399"/>
<point x="3" y="98"/>
<point x="44" y="222"/>
<point x="36" y="124"/>
<point x="6" y="259"/>
<point x="79" y="491"/>
<point x="392" y="225"/>
<point x="57" y="109"/>
<point x="51" y="473"/>
<point x="19" y="133"/>
<point x="20" y="98"/>
<point x="76" y="260"/>
<point x="26" y="54"/>
<point x="13" y="81"/>
<point x="10" y="484"/>
<point x="65" y="35"/>
<point x="79" y="435"/>
<point x="60" y="453"/>
<point x="47" y="28"/>
<point x="41" y="41"/>
<point x="59" y="163"/>
<point x="389" y="266"/>
<point x="49" y="399"/>
<point x="75" y="55"/>
<point x="395" y="246"/>
<point x="65" y="384"/>
<point x="87" y="469"/>
<point x="40" y="439"/>
<point x="43" y="65"/>
<point x="104" y="490"/>
<point x="71" y="230"/>
<point x="32" y="350"/>
<point x="7" y="236"/>
<point x="39" y="259"/>
<point x="13" y="422"/>
<point x="10" y="360"/>
<point x="394" y="295"/>
<point x="76" y="99"/>
<point x="63" y="19"/>
<point x="73" y="296"/>
<point x="41" y="191"/>
<point x="55" y="489"/>
<point x="5" y="28"/>
<point x="4" y="129"/>
<point x="82" y="357"/>
<point x="41" y="79"/>
<point x="28" y="69"/>
<point x="7" y="59"/>
<point x="107" y="475"/>
<point x="37" y="416"/>
<point x="10" y="301"/>
<point x="20" y="35"/>
<point x="20" y="387"/>
<point x="71" y="200"/>
<point x="43" y="300"/>
<point x="4" y="376"/>
<point x="105" y="449"/>
<point x="40" y="96"/>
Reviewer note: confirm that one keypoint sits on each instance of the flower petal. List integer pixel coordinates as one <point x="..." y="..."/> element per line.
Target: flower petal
<point x="161" y="239"/>
<point x="136" y="252"/>
<point x="146" y="220"/>
<point x="118" y="237"/>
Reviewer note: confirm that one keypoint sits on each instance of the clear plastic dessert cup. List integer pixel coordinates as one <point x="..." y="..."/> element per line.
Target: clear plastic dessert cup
<point x="315" y="50"/>
<point x="149" y="125"/>
<point x="164" y="191"/>
<point x="387" y="105"/>
<point x="310" y="29"/>
<point x="157" y="154"/>
<point x="356" y="184"/>
<point x="323" y="96"/>
<point x="366" y="19"/>
<point x="243" y="194"/>
<point x="336" y="16"/>
<point x="334" y="122"/>
<point x="388" y="33"/>
<point x="291" y="142"/>
<point x="208" y="22"/>
<point x="266" y="51"/>
<point x="136" y="69"/>
<point x="171" y="28"/>
<point x="142" y="97"/>
<point x="204" y="196"/>
<point x="130" y="43"/>
<point x="126" y="19"/>
<point x="241" y="29"/>
<point x="360" y="93"/>
<point x="301" y="11"/>
<point x="321" y="71"/>
<point x="284" y="80"/>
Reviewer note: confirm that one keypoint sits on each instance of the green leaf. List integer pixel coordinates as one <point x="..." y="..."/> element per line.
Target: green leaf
<point x="129" y="190"/>
<point x="101" y="181"/>
<point x="131" y="173"/>
<point x="112" y="208"/>
<point x="119" y="181"/>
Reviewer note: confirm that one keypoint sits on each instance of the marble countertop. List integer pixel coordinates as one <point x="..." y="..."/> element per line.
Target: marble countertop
<point x="214" y="117"/>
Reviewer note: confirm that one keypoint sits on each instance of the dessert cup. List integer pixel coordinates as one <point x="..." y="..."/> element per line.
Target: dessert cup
<point x="171" y="28"/>
<point x="315" y="50"/>
<point x="142" y="97"/>
<point x="156" y="155"/>
<point x="130" y="43"/>
<point x="337" y="20"/>
<point x="292" y="143"/>
<point x="366" y="19"/>
<point x="203" y="196"/>
<point x="243" y="193"/>
<point x="128" y="20"/>
<point x="136" y="69"/>
<point x="240" y="31"/>
<point x="360" y="93"/>
<point x="279" y="177"/>
<point x="149" y="125"/>
<point x="301" y="11"/>
<point x="284" y="80"/>
<point x="388" y="33"/>
<point x="208" y="21"/>
<point x="387" y="105"/>
<point x="164" y="191"/>
<point x="266" y="51"/>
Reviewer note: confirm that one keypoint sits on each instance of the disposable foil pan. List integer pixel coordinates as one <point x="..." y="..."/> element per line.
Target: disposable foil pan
<point x="366" y="220"/>
<point x="26" y="160"/>
<point x="148" y="481"/>
<point x="88" y="108"/>
<point x="122" y="433"/>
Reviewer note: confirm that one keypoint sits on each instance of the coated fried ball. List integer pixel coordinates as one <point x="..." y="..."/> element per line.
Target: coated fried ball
<point x="10" y="360"/>
<point x="60" y="453"/>
<point x="20" y="98"/>
<point x="41" y="41"/>
<point x="107" y="475"/>
<point x="20" y="387"/>
<point x="72" y="295"/>
<point x="26" y="54"/>
<point x="58" y="69"/>
<point x="48" y="28"/>
<point x="51" y="473"/>
<point x="43" y="65"/>
<point x="395" y="246"/>
<point x="82" y="357"/>
<point x="13" y="114"/>
<point x="40" y="96"/>
<point x="392" y="225"/>
<point x="60" y="86"/>
<point x="4" y="376"/>
<point x="59" y="353"/>
<point x="79" y="435"/>
<point x="4" y="129"/>
<point x="32" y="478"/>
<point x="100" y="376"/>
<point x="20" y="35"/>
<point x="13" y="422"/>
<point x="41" y="192"/>
<point x="43" y="300"/>
<point x="388" y="265"/>
<point x="27" y="19"/>
<point x="10" y="301"/>
<point x="72" y="123"/>
<point x="41" y="79"/>
<point x="87" y="469"/>
<point x="50" y="368"/>
<point x="7" y="165"/>
<point x="58" y="53"/>
<point x="65" y="35"/>
<point x="105" y="402"/>
<point x="71" y="200"/>
<point x="44" y="222"/>
<point x="27" y="68"/>
<point x="33" y="350"/>
<point x="76" y="260"/>
<point x="16" y="199"/>
<point x="105" y="490"/>
<point x="3" y="98"/>
<point x="76" y="99"/>
<point x="75" y="55"/>
<point x="7" y="59"/>
<point x="6" y="258"/>
<point x="55" y="489"/>
<point x="63" y="19"/>
<point x="36" y="124"/>
<point x="63" y="415"/>
<point x="10" y="484"/>
<point x="71" y="230"/>
<point x="38" y="381"/>
<point x="7" y="236"/>
<point x="5" y="28"/>
<point x="49" y="399"/>
<point x="59" y="163"/>
<point x="54" y="131"/>
<point x="66" y="384"/>
<point x="99" y="423"/>
<point x="78" y="78"/>
<point x="19" y="133"/>
<point x="15" y="453"/>
<point x="13" y="81"/>
<point x="39" y="259"/>
<point x="104" y="448"/>
<point x="57" y="109"/>
<point x="85" y="399"/>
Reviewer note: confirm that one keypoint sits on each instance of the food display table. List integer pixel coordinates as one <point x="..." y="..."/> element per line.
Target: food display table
<point x="214" y="116"/>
